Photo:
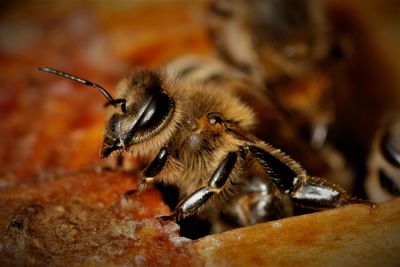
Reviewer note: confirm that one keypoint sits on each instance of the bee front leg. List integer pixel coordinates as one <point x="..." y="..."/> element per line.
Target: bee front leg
<point x="154" y="168"/>
<point x="198" y="199"/>
<point x="151" y="171"/>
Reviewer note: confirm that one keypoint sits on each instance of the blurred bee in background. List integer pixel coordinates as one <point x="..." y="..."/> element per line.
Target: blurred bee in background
<point x="270" y="40"/>
<point x="383" y="179"/>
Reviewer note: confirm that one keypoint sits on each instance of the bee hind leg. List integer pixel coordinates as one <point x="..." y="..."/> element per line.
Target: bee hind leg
<point x="305" y="191"/>
<point x="199" y="198"/>
<point x="317" y="194"/>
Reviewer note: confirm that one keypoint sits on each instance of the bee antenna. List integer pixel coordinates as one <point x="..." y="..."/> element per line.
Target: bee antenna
<point x="111" y="100"/>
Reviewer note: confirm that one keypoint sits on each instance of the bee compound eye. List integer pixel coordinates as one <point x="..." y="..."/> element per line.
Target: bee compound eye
<point x="156" y="112"/>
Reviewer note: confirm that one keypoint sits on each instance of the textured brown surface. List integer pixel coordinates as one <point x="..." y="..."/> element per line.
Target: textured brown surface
<point x="350" y="236"/>
<point x="84" y="218"/>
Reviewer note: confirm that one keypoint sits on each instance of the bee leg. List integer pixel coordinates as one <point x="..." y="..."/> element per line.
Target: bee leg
<point x="317" y="194"/>
<point x="198" y="199"/>
<point x="259" y="200"/>
<point x="154" y="168"/>
<point x="305" y="191"/>
<point x="284" y="171"/>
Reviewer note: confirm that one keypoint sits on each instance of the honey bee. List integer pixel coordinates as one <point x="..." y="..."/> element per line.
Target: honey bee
<point x="200" y="139"/>
<point x="383" y="179"/>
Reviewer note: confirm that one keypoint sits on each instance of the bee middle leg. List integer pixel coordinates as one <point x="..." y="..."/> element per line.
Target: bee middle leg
<point x="198" y="199"/>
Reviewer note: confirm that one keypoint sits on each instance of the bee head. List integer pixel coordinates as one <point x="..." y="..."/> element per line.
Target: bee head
<point x="144" y="109"/>
<point x="148" y="109"/>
